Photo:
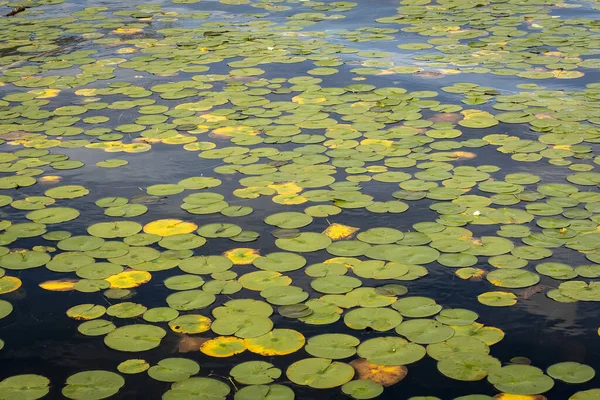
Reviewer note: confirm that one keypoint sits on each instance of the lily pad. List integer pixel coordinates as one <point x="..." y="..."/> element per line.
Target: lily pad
<point x="319" y="373"/>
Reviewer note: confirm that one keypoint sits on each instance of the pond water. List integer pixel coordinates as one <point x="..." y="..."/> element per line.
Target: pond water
<point x="245" y="199"/>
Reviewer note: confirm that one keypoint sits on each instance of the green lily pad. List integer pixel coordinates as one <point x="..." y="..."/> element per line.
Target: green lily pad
<point x="424" y="331"/>
<point x="417" y="307"/>
<point x="332" y="346"/>
<point x="580" y="290"/>
<point x="67" y="192"/>
<point x="465" y="366"/>
<point x="188" y="300"/>
<point x="456" y="316"/>
<point x="289" y="220"/>
<point x="264" y="392"/>
<point x="379" y="319"/>
<point x="200" y="388"/>
<point x="96" y="327"/>
<point x="362" y="389"/>
<point x="334" y="284"/>
<point x="53" y="215"/>
<point x="512" y="278"/>
<point x="520" y="379"/>
<point x="457" y="345"/>
<point x="134" y="338"/>
<point x="118" y="229"/>
<point x="93" y="385"/>
<point x="571" y="372"/>
<point x="305" y="242"/>
<point x="133" y="366"/>
<point x="319" y="373"/>
<point x="173" y="369"/>
<point x="280" y="262"/>
<point x="27" y="387"/>
<point x="390" y="351"/>
<point x="24" y="260"/>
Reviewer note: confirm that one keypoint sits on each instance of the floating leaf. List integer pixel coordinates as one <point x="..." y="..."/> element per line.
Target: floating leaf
<point x="319" y="373"/>
<point x="27" y="386"/>
<point x="255" y="373"/>
<point x="390" y="351"/>
<point x="134" y="338"/>
<point x="385" y="375"/>
<point x="173" y="369"/>
<point x="93" y="385"/>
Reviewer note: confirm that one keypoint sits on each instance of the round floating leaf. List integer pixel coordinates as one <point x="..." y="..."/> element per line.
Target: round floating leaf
<point x="169" y="227"/>
<point x="280" y="262"/>
<point x="223" y="346"/>
<point x="390" y="351"/>
<point x="457" y="345"/>
<point x="66" y="192"/>
<point x="284" y="295"/>
<point x="194" y="387"/>
<point x="9" y="284"/>
<point x="26" y="387"/>
<point x="348" y="248"/>
<point x="305" y="242"/>
<point x="362" y="389"/>
<point x="556" y="270"/>
<point x="118" y="229"/>
<point x="385" y="375"/>
<point x="86" y="311"/>
<point x="512" y="278"/>
<point x="126" y="310"/>
<point x="128" y="279"/>
<point x="244" y="326"/>
<point x="5" y="308"/>
<point x="183" y="282"/>
<point x="456" y="316"/>
<point x="219" y="230"/>
<point x="289" y="220"/>
<point x="417" y="307"/>
<point x="173" y="369"/>
<point x="133" y="338"/>
<point x="380" y="236"/>
<point x="468" y="366"/>
<point x="53" y="215"/>
<point x="335" y="284"/>
<point x="202" y="265"/>
<point x="160" y="314"/>
<point x="403" y="254"/>
<point x="520" y="379"/>
<point x="319" y="373"/>
<point x="424" y="331"/>
<point x="278" y="342"/>
<point x="190" y="300"/>
<point x="497" y="299"/>
<point x="381" y="270"/>
<point x="242" y="255"/>
<point x="591" y="394"/>
<point x="379" y="319"/>
<point x="24" y="260"/>
<point x="96" y="327"/>
<point x="255" y="373"/>
<point x="261" y="280"/>
<point x="93" y="385"/>
<point x="164" y="189"/>
<point x="133" y="366"/>
<point x="571" y="372"/>
<point x="264" y="392"/>
<point x="333" y="346"/>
